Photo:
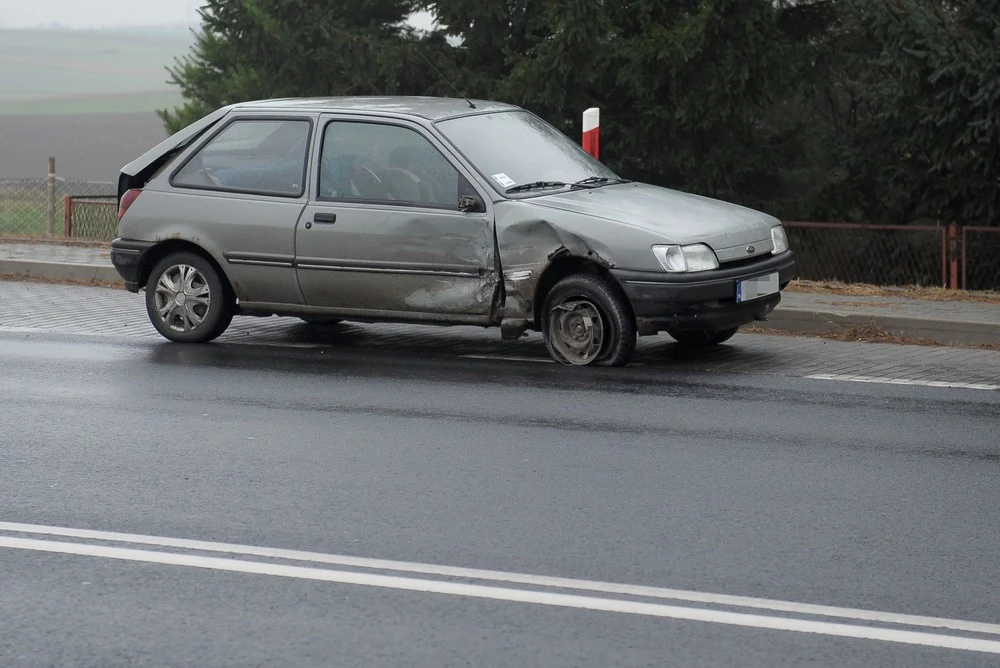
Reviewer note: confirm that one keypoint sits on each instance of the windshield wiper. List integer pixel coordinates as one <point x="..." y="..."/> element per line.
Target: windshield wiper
<point x="596" y="181"/>
<point x="534" y="184"/>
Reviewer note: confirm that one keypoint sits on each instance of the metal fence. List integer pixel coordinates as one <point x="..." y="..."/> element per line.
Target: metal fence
<point x="981" y="258"/>
<point x="90" y="217"/>
<point x="876" y="254"/>
<point x="25" y="203"/>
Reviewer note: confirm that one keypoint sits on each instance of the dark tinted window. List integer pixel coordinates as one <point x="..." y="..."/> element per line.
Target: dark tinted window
<point x="378" y="162"/>
<point x="257" y="156"/>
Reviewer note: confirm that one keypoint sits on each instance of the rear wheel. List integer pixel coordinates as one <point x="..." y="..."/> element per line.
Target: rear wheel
<point x="587" y="320"/>
<point x="703" y="338"/>
<point x="186" y="299"/>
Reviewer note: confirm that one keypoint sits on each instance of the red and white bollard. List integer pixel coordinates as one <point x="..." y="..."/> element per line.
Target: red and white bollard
<point x="592" y="132"/>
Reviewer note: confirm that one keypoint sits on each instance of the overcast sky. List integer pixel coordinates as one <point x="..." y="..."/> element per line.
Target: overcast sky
<point x="107" y="13"/>
<point x="97" y="13"/>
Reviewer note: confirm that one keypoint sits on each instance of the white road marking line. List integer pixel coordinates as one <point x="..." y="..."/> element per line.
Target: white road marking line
<point x="903" y="381"/>
<point x="59" y="332"/>
<point x="508" y="358"/>
<point x="279" y="344"/>
<point x="513" y="578"/>
<point x="147" y="336"/>
<point x="513" y="595"/>
<point x="151" y="336"/>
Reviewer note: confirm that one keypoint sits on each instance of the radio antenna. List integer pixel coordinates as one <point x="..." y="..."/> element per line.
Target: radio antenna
<point x="446" y="79"/>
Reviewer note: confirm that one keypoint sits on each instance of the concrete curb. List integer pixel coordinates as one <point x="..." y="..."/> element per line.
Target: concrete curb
<point x="947" y="332"/>
<point x="60" y="270"/>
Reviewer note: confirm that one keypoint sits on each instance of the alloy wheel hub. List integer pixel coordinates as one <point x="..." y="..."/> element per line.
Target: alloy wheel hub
<point x="182" y="298"/>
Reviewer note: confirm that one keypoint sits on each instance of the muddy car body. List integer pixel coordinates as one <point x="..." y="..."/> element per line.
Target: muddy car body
<point x="434" y="211"/>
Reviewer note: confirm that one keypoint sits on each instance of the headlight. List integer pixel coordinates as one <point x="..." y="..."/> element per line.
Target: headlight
<point x="677" y="259"/>
<point x="779" y="239"/>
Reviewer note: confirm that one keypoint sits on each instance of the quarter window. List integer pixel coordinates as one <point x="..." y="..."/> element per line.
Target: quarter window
<point x="379" y="162"/>
<point x="254" y="156"/>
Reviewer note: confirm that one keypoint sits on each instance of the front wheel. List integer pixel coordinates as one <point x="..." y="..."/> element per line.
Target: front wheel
<point x="703" y="338"/>
<point x="587" y="320"/>
<point x="186" y="300"/>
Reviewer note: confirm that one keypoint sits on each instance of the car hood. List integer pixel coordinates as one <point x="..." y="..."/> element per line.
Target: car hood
<point x="679" y="217"/>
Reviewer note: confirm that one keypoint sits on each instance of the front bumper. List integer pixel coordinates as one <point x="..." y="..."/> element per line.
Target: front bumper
<point x="703" y="300"/>
<point x="127" y="256"/>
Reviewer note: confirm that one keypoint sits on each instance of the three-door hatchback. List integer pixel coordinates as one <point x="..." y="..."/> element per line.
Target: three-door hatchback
<point x="434" y="211"/>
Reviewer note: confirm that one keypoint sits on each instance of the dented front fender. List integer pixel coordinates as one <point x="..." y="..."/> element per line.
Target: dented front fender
<point x="531" y="237"/>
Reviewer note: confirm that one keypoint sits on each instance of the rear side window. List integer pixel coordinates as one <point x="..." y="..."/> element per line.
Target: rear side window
<point x="266" y="157"/>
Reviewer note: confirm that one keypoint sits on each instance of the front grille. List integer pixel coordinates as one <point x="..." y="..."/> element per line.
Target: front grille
<point x="745" y="261"/>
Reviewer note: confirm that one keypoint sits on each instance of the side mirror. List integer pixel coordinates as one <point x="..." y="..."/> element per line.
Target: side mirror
<point x="471" y="204"/>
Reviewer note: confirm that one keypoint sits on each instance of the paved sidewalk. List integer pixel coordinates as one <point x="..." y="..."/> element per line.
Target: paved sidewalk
<point x="50" y="252"/>
<point x="57" y="261"/>
<point x="946" y="322"/>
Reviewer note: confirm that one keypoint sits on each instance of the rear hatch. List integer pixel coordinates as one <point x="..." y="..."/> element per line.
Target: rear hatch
<point x="137" y="173"/>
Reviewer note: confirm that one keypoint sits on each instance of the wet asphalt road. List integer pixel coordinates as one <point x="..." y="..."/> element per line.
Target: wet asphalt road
<point x="864" y="496"/>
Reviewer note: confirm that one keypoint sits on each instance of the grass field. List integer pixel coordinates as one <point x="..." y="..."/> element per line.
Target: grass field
<point x="85" y="97"/>
<point x="25" y="218"/>
<point x="70" y="72"/>
<point x="107" y="103"/>
<point x="24" y="213"/>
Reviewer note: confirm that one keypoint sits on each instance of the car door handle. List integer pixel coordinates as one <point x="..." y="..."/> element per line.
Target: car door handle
<point x="325" y="218"/>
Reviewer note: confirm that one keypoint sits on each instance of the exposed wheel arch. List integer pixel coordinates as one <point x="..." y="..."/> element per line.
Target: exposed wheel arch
<point x="165" y="248"/>
<point x="559" y="269"/>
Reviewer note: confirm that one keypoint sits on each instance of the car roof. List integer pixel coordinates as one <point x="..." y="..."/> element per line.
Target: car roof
<point x="430" y="108"/>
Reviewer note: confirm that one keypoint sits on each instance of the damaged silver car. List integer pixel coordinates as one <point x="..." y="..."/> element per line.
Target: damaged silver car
<point x="436" y="211"/>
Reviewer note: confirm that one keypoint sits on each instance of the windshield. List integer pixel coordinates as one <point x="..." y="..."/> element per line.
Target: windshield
<point x="517" y="148"/>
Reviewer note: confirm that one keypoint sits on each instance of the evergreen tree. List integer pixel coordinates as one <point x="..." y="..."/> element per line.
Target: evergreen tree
<point x="257" y="49"/>
<point x="931" y="88"/>
<point x="489" y="38"/>
<point x="694" y="93"/>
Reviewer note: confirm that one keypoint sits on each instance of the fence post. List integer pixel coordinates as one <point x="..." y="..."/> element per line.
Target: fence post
<point x="68" y="216"/>
<point x="592" y="132"/>
<point x="965" y="259"/>
<point x="50" y="227"/>
<point x="953" y="256"/>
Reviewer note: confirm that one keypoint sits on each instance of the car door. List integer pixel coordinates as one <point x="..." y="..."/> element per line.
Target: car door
<point x="241" y="194"/>
<point x="383" y="234"/>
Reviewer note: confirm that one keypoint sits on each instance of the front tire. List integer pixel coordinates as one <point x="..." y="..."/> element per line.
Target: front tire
<point x="703" y="338"/>
<point x="587" y="320"/>
<point x="186" y="299"/>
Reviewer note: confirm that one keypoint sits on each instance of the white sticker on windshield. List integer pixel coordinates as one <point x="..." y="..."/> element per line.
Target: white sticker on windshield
<point x="504" y="180"/>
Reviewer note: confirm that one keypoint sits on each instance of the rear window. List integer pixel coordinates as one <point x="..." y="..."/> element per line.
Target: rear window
<point x="266" y="157"/>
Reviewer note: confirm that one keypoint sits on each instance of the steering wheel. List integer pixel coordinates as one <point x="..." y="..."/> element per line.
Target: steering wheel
<point x="368" y="183"/>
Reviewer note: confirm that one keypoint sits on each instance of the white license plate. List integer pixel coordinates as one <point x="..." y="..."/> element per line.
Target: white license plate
<point x="752" y="288"/>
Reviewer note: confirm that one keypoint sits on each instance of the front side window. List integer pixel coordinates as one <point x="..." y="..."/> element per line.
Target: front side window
<point x="265" y="157"/>
<point x="380" y="162"/>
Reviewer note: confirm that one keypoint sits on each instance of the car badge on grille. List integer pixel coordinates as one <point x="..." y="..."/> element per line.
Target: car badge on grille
<point x="750" y="249"/>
